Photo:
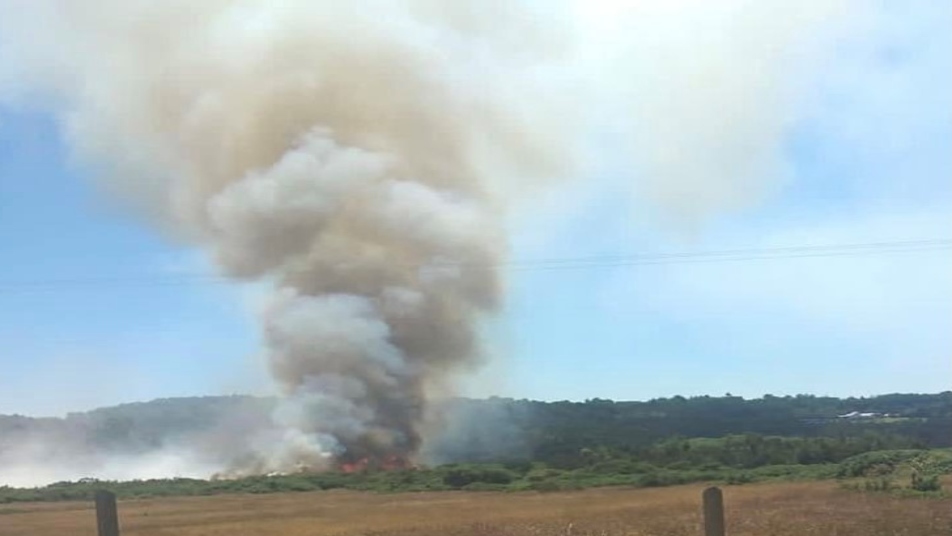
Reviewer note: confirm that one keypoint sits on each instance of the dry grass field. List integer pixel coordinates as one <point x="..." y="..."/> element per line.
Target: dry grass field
<point x="800" y="509"/>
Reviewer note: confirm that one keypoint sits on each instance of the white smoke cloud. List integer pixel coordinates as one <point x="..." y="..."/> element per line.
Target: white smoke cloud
<point x="352" y="154"/>
<point x="360" y="156"/>
<point x="30" y="467"/>
<point x="705" y="95"/>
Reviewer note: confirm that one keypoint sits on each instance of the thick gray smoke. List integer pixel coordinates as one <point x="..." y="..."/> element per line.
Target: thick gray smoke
<point x="358" y="157"/>
<point x="352" y="154"/>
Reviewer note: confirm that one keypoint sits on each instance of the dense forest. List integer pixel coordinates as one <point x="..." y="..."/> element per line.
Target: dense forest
<point x="521" y="444"/>
<point x="818" y="429"/>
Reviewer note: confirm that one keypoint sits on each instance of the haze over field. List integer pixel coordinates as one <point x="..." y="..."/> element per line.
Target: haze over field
<point x="366" y="169"/>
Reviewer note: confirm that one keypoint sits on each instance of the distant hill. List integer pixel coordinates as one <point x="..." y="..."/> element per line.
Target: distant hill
<point x="558" y="431"/>
<point x="137" y="426"/>
<point x="562" y="434"/>
<point x="145" y="425"/>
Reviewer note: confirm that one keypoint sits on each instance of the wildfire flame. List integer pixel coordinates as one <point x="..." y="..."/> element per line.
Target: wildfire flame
<point x="392" y="462"/>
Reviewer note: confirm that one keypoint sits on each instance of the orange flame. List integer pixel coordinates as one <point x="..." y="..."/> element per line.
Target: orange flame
<point x="392" y="462"/>
<point x="355" y="467"/>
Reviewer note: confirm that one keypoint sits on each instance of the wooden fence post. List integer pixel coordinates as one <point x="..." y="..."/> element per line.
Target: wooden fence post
<point x="713" y="512"/>
<point x="107" y="516"/>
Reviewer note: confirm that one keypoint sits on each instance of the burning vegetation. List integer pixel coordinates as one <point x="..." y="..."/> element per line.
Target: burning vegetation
<point x="386" y="463"/>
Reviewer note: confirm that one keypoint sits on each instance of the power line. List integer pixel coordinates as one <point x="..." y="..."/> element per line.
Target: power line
<point x="750" y="254"/>
<point x="545" y="264"/>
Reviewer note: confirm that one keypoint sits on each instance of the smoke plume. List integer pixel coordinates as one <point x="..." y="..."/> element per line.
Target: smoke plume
<point x="358" y="157"/>
<point x="351" y="154"/>
<point x="705" y="95"/>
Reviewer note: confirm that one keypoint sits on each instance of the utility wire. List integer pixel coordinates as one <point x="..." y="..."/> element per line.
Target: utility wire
<point x="745" y="255"/>
<point x="545" y="264"/>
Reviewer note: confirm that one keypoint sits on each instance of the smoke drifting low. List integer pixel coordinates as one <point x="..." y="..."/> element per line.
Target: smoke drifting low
<point x="358" y="157"/>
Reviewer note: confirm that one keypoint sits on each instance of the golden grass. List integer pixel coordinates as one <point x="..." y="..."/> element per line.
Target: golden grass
<point x="787" y="509"/>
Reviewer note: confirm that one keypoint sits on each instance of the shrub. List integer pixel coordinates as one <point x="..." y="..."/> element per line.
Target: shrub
<point x="879" y="462"/>
<point x="518" y="466"/>
<point x="484" y="486"/>
<point x="741" y="477"/>
<point x="539" y="475"/>
<point x="547" y="486"/>
<point x="463" y="476"/>
<point x="879" y="484"/>
<point x="657" y="479"/>
<point x="924" y="482"/>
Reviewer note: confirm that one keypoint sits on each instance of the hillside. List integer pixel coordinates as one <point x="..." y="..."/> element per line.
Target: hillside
<point x="890" y="441"/>
<point x="503" y="429"/>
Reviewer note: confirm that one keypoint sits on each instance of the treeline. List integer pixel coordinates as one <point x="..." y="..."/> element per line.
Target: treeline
<point x="499" y="428"/>
<point x="557" y="432"/>
<point x="743" y="451"/>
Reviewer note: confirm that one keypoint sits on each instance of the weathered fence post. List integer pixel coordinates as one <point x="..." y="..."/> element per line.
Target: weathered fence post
<point x="713" y="512"/>
<point x="107" y="516"/>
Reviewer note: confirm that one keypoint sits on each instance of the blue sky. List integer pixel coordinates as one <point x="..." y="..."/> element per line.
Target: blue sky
<point x="867" y="160"/>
